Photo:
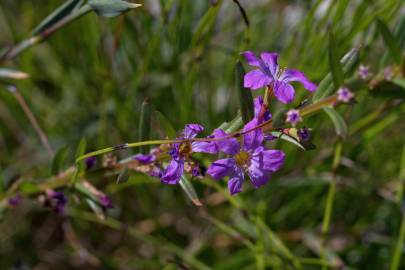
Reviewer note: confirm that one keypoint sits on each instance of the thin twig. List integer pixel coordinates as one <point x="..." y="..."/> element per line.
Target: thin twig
<point x="21" y="101"/>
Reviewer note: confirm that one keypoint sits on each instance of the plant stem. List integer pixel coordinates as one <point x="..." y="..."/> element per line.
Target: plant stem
<point x="41" y="134"/>
<point x="396" y="259"/>
<point x="331" y="196"/>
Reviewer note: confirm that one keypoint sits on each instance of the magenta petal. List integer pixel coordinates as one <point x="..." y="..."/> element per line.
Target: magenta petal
<point x="204" y="147"/>
<point x="228" y="146"/>
<point x="284" y="92"/>
<point x="251" y="58"/>
<point x="256" y="79"/>
<point x="221" y="168"/>
<point x="273" y="160"/>
<point x="173" y="172"/>
<point x="292" y="75"/>
<point x="191" y="130"/>
<point x="253" y="138"/>
<point x="270" y="60"/>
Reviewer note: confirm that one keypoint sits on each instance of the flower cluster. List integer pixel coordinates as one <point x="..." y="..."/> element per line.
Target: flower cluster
<point x="243" y="154"/>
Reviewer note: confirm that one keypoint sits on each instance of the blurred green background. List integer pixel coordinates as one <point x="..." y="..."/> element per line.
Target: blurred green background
<point x="90" y="79"/>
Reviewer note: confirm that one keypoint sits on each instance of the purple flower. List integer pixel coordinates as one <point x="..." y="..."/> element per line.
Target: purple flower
<point x="90" y="162"/>
<point x="251" y="158"/>
<point x="344" y="95"/>
<point x="55" y="200"/>
<point x="105" y="201"/>
<point x="145" y="158"/>
<point x="180" y="152"/>
<point x="293" y="117"/>
<point x="304" y="134"/>
<point x="270" y="74"/>
<point x="15" y="201"/>
<point x="262" y="113"/>
<point x="363" y="72"/>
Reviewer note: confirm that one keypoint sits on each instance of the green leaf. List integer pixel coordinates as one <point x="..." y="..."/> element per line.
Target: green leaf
<point x="111" y="8"/>
<point x="6" y="73"/>
<point x="334" y="64"/>
<point x="61" y="12"/>
<point x="338" y="122"/>
<point x="234" y="125"/>
<point x="205" y="24"/>
<point x="389" y="89"/>
<point x="288" y="138"/>
<point x="81" y="150"/>
<point x="326" y="86"/>
<point x="244" y="94"/>
<point x="59" y="160"/>
<point x="144" y="125"/>
<point x="188" y="188"/>
<point x="390" y="41"/>
<point x="165" y="124"/>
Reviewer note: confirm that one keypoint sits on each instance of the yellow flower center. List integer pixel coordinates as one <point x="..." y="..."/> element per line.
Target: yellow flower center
<point x="185" y="149"/>
<point x="242" y="158"/>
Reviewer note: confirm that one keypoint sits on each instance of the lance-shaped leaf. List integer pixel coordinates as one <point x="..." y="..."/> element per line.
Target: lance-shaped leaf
<point x="81" y="150"/>
<point x="334" y="64"/>
<point x="62" y="11"/>
<point x="205" y="24"/>
<point x="400" y="37"/>
<point x="189" y="189"/>
<point x="244" y="94"/>
<point x="111" y="8"/>
<point x="123" y="175"/>
<point x="144" y="125"/>
<point x="390" y="41"/>
<point x="338" y="122"/>
<point x="293" y="138"/>
<point x="59" y="160"/>
<point x="6" y="73"/>
<point x="326" y="86"/>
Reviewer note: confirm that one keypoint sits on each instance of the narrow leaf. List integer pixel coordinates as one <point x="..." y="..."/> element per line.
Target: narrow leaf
<point x="205" y="24"/>
<point x="144" y="125"/>
<point x="334" y="64"/>
<point x="62" y="11"/>
<point x="188" y="188"/>
<point x="58" y="160"/>
<point x="390" y="41"/>
<point x="338" y="122"/>
<point x="326" y="86"/>
<point x="111" y="8"/>
<point x="244" y="94"/>
<point x="288" y="138"/>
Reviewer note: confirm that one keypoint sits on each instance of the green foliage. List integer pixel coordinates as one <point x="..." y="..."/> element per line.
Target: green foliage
<point x="89" y="80"/>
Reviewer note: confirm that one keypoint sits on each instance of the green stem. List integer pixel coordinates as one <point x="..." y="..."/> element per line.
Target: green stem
<point x="330" y="197"/>
<point x="396" y="259"/>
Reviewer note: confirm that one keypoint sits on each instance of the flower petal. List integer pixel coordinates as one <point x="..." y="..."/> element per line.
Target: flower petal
<point x="191" y="130"/>
<point x="173" y="172"/>
<point x="228" y="146"/>
<point x="253" y="138"/>
<point x="221" y="168"/>
<point x="256" y="79"/>
<point x="270" y="60"/>
<point x="251" y="58"/>
<point x="273" y="160"/>
<point x="293" y="75"/>
<point x="204" y="147"/>
<point x="284" y="92"/>
<point x="235" y="183"/>
<point x="145" y="158"/>
<point x="257" y="175"/>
